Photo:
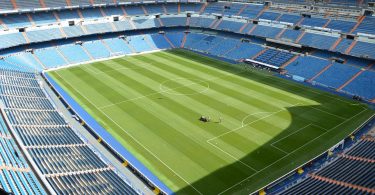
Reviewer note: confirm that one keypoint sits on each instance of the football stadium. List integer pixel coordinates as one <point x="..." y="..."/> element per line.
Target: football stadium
<point x="187" y="97"/>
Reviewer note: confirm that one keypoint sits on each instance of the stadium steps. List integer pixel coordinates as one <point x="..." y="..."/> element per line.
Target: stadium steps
<point x="149" y="43"/>
<point x="243" y="27"/>
<point x="188" y="21"/>
<point x="183" y="41"/>
<point x="14" y="4"/>
<point x="289" y="62"/>
<point x="25" y="36"/>
<point x="300" y="36"/>
<point x="360" y="20"/>
<point x="30" y="19"/>
<point x="80" y="14"/>
<point x="42" y="4"/>
<point x="252" y="29"/>
<point x="169" y="41"/>
<point x="38" y="60"/>
<point x="203" y="8"/>
<point x="262" y="11"/>
<point x="217" y="23"/>
<point x="341" y="183"/>
<point x="280" y="33"/>
<point x="113" y="27"/>
<point x="349" y="49"/>
<point x="62" y="32"/>
<point x="179" y="8"/>
<point x="62" y="55"/>
<point x="242" y="9"/>
<point x="327" y="23"/>
<point x="132" y="23"/>
<point x="300" y="21"/>
<point x="260" y="53"/>
<point x="84" y="29"/>
<point x="102" y="12"/>
<point x="357" y="158"/>
<point x="213" y="23"/>
<point x="68" y="2"/>
<point x="105" y="44"/>
<point x="160" y="22"/>
<point x="164" y="9"/>
<point x="123" y="10"/>
<point x="130" y="46"/>
<point x="338" y="41"/>
<point x="278" y="17"/>
<point x="355" y="76"/>
<point x="320" y="72"/>
<point x="56" y="16"/>
<point x="235" y="47"/>
<point x="144" y="10"/>
<point x="92" y="2"/>
<point x="3" y="24"/>
<point x="87" y="52"/>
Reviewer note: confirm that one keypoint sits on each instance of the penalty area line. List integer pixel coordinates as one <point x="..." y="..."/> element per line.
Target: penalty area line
<point x="347" y="120"/>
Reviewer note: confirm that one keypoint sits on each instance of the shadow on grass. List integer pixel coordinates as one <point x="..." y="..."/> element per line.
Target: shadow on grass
<point x="298" y="145"/>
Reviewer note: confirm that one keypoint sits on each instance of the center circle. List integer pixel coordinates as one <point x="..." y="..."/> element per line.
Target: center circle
<point x="172" y="85"/>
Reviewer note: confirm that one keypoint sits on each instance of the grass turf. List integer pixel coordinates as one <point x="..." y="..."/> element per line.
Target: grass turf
<point x="151" y="104"/>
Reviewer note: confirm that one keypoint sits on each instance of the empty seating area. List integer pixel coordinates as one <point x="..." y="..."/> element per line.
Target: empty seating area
<point x="58" y="151"/>
<point x="72" y="166"/>
<point x="337" y="75"/>
<point x="351" y="173"/>
<point x="363" y="85"/>
<point x="274" y="57"/>
<point x="15" y="174"/>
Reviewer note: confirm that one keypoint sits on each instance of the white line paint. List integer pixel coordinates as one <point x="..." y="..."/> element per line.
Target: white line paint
<point x="131" y="136"/>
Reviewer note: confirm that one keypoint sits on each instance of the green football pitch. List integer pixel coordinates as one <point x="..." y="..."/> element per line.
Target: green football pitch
<point x="261" y="126"/>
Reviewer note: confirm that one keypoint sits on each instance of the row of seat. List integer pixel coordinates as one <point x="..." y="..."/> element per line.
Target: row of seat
<point x="352" y="170"/>
<point x="15" y="174"/>
<point x="40" y="136"/>
<point x="56" y="149"/>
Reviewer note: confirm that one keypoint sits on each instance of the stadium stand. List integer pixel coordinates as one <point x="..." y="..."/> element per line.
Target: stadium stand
<point x="33" y="41"/>
<point x="350" y="173"/>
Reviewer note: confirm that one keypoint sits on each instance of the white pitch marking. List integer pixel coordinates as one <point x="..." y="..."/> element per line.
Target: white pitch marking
<point x="132" y="137"/>
<point x="291" y="152"/>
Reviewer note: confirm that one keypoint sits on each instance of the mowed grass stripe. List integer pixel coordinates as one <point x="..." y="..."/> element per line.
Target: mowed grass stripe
<point x="330" y="100"/>
<point x="266" y="137"/>
<point x="226" y="84"/>
<point x="254" y="82"/>
<point x="130" y="144"/>
<point x="148" y="120"/>
<point x="185" y="103"/>
<point x="224" y="95"/>
<point x="140" y="77"/>
<point x="178" y="124"/>
<point x="170" y="137"/>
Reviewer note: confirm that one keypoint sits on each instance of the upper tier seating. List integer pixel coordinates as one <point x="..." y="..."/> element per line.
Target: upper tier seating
<point x="367" y="26"/>
<point x="318" y="41"/>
